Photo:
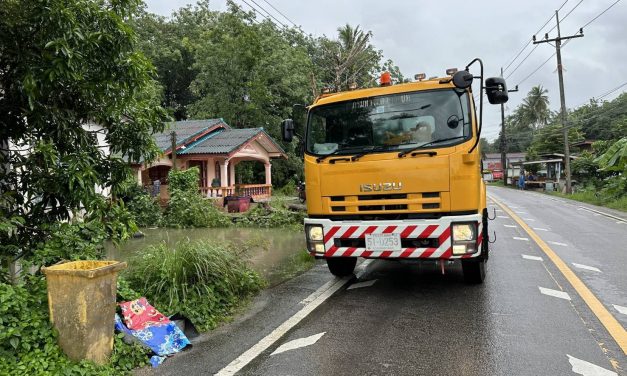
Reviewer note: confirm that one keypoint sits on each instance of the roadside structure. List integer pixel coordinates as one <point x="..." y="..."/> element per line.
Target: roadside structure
<point x="549" y="170"/>
<point x="493" y="168"/>
<point x="216" y="149"/>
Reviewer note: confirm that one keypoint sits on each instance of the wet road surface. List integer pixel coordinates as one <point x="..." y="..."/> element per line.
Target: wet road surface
<point x="396" y="319"/>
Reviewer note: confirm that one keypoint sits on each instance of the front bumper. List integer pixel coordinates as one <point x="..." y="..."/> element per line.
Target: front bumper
<point x="338" y="236"/>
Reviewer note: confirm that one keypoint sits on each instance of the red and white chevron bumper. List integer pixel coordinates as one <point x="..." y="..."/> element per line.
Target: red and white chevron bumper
<point x="340" y="235"/>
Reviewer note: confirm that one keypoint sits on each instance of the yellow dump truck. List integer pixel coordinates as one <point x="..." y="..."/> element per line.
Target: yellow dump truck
<point x="394" y="172"/>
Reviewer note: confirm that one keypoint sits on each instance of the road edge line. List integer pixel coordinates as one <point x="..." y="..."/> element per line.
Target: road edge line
<point x="267" y="341"/>
<point x="615" y="329"/>
<point x="604" y="214"/>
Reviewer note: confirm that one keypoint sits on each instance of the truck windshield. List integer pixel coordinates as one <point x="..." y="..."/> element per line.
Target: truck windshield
<point x="390" y="122"/>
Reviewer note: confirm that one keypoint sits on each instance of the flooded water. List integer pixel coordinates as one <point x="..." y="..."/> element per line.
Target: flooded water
<point x="270" y="250"/>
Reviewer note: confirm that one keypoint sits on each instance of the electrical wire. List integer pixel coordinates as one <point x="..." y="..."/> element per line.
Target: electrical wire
<point x="512" y="60"/>
<point x="610" y="92"/>
<point x="600" y="14"/>
<point x="566" y="16"/>
<point x="281" y="13"/>
<point x="523" y="60"/>
<point x="269" y="14"/>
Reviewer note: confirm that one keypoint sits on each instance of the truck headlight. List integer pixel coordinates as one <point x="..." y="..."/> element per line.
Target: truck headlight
<point x="464" y="237"/>
<point x="314" y="233"/>
<point x="463" y="232"/>
<point x="315" y="239"/>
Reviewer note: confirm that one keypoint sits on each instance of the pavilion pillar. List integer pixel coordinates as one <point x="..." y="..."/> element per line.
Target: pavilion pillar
<point x="231" y="174"/>
<point x="224" y="177"/>
<point x="268" y="173"/>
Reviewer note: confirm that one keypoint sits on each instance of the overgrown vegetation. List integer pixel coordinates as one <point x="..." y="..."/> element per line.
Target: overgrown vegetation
<point x="202" y="280"/>
<point x="28" y="344"/>
<point x="273" y="214"/>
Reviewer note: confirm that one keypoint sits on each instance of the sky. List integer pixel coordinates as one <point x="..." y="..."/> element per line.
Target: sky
<point x="431" y="36"/>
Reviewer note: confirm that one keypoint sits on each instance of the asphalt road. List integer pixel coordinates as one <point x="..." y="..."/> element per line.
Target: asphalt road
<point x="412" y="320"/>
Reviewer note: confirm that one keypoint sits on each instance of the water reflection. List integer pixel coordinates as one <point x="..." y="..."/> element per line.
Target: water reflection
<point x="269" y="250"/>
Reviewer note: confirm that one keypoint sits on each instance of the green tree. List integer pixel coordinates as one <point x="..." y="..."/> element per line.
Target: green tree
<point x="350" y="58"/>
<point x="66" y="64"/>
<point x="535" y="107"/>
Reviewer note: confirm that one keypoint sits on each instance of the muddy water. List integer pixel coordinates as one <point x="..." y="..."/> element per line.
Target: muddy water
<point x="270" y="250"/>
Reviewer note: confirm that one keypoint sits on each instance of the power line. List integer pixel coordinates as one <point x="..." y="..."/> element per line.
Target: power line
<point x="610" y="92"/>
<point x="281" y="13"/>
<point x="567" y="14"/>
<point x="600" y="14"/>
<point x="269" y="14"/>
<point x="529" y="42"/>
<point x="537" y="69"/>
<point x="518" y="66"/>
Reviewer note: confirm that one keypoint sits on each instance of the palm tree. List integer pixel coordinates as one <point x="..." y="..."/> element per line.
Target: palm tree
<point x="535" y="107"/>
<point x="351" y="53"/>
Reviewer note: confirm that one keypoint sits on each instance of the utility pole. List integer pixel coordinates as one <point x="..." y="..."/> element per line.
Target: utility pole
<point x="173" y="138"/>
<point x="503" y="139"/>
<point x="558" y="52"/>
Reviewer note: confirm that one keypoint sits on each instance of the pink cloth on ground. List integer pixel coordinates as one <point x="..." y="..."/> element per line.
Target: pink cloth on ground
<point x="139" y="314"/>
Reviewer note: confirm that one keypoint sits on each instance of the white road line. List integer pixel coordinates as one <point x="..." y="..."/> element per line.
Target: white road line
<point x="502" y="216"/>
<point x="597" y="214"/>
<point x="586" y="267"/>
<point x="554" y="293"/>
<point x="510" y="226"/>
<point x="298" y="343"/>
<point x="534" y="258"/>
<point x="498" y="210"/>
<point x="584" y="368"/>
<point x="322" y="294"/>
<point x="361" y="284"/>
<point x="620" y="309"/>
<point x="517" y="238"/>
<point x="513" y="207"/>
<point x="621" y="222"/>
<point x="520" y="212"/>
<point x="541" y="229"/>
<point x="558" y="243"/>
<point x="529" y="219"/>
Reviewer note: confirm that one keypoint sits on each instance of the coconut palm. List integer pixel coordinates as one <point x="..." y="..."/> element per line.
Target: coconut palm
<point x="535" y="107"/>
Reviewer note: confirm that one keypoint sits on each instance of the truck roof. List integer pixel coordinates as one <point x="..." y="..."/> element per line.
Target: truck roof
<point x="382" y="90"/>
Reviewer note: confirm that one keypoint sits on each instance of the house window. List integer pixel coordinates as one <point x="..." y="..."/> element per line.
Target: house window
<point x="159" y="173"/>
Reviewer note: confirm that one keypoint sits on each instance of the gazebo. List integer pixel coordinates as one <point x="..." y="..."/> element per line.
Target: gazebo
<point x="216" y="149"/>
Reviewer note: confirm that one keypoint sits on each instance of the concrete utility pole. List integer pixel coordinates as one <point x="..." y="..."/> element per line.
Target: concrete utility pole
<point x="173" y="137"/>
<point x="503" y="139"/>
<point x="558" y="45"/>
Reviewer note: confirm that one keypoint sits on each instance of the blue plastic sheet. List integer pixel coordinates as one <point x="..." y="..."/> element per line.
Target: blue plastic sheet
<point x="163" y="338"/>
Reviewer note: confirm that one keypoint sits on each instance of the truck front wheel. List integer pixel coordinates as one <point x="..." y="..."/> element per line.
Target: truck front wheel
<point x="341" y="266"/>
<point x="474" y="271"/>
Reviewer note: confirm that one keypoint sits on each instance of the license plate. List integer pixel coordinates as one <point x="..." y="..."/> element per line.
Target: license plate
<point x="383" y="242"/>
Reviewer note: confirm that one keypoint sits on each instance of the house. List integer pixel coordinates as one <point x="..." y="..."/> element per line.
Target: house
<point x="492" y="163"/>
<point x="216" y="149"/>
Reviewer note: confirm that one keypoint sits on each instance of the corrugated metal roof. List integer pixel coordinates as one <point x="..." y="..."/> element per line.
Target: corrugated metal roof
<point x="185" y="130"/>
<point x="223" y="142"/>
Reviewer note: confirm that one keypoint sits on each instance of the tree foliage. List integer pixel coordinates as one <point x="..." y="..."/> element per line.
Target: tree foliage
<point x="71" y="80"/>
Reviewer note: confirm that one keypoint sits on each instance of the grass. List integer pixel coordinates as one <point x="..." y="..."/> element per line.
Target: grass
<point x="590" y="197"/>
<point x="297" y="264"/>
<point x="204" y="281"/>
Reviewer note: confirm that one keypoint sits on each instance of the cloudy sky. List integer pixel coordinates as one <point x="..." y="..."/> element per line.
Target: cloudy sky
<point x="430" y="36"/>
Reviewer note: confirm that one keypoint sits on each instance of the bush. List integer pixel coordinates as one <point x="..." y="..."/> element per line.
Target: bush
<point x="28" y="344"/>
<point x="71" y="241"/>
<point x="183" y="180"/>
<point x="145" y="209"/>
<point x="201" y="280"/>
<point x="189" y="209"/>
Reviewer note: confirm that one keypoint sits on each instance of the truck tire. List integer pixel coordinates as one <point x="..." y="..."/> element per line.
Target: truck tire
<point x="341" y="266"/>
<point x="474" y="271"/>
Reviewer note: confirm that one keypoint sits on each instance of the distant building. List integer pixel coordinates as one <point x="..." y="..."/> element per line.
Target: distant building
<point x="216" y="149"/>
<point x="492" y="164"/>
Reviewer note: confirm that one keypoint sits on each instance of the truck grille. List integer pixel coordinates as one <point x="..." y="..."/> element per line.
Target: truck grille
<point x="391" y="203"/>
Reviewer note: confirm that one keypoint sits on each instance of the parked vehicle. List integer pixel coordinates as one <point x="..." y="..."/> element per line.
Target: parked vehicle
<point x="394" y="172"/>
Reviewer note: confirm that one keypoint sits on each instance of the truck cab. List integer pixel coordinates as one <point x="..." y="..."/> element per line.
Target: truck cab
<point x="394" y="172"/>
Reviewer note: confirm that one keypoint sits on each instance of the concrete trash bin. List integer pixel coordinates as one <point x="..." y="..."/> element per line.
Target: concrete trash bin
<point x="81" y="300"/>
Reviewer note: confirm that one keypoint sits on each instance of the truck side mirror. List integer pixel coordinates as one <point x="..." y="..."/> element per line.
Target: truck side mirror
<point x="462" y="79"/>
<point x="496" y="90"/>
<point x="287" y="130"/>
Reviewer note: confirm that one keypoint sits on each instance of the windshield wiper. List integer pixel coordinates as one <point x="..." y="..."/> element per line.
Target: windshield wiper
<point x="336" y="152"/>
<point x="405" y="152"/>
<point x="373" y="149"/>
